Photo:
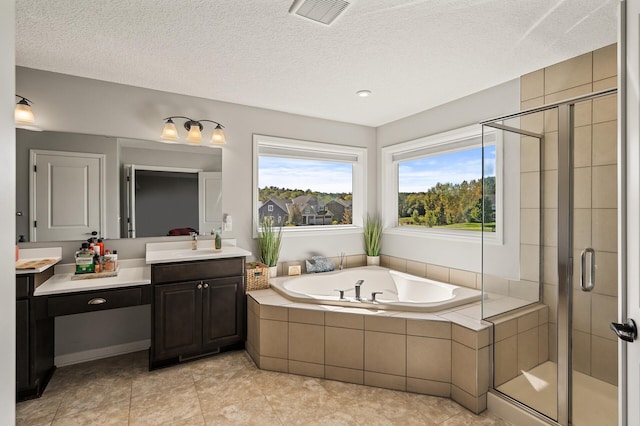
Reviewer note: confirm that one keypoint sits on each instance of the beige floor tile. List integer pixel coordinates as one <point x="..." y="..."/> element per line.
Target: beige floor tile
<point x="112" y="414"/>
<point x="91" y="397"/>
<point x="39" y="411"/>
<point x="165" y="406"/>
<point x="164" y="379"/>
<point x="467" y="418"/>
<point x="247" y="411"/>
<point x="226" y="389"/>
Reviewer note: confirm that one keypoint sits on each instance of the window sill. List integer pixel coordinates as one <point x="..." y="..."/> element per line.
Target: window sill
<point x="462" y="236"/>
<point x="318" y="231"/>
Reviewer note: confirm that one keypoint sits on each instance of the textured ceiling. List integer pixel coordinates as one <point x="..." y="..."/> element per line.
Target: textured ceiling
<point x="412" y="54"/>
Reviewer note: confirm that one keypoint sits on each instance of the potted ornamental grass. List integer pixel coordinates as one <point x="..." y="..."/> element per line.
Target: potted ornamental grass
<point x="372" y="236"/>
<point x="269" y="242"/>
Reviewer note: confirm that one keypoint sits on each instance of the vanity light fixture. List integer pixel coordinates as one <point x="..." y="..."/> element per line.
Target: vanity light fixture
<point x="169" y="132"/>
<point x="23" y="114"/>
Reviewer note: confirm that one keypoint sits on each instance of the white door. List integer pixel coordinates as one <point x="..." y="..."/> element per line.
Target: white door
<point x="66" y="195"/>
<point x="210" y="201"/>
<point x="629" y="352"/>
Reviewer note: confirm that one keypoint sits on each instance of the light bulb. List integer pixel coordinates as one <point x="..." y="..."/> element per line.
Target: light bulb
<point x="194" y="133"/>
<point x="170" y="132"/>
<point x="23" y="113"/>
<point x="218" y="136"/>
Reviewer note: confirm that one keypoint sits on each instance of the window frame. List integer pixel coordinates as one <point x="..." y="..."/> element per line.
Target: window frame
<point x="321" y="151"/>
<point x="440" y="143"/>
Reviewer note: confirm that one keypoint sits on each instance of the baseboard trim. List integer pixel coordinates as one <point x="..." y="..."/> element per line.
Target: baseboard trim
<point x="107" y="351"/>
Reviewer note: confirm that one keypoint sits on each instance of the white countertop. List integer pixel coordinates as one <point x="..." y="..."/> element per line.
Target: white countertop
<point x="132" y="272"/>
<point x="181" y="251"/>
<point x="53" y="253"/>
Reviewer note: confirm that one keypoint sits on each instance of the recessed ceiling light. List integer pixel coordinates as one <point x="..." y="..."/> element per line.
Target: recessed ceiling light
<point x="363" y="93"/>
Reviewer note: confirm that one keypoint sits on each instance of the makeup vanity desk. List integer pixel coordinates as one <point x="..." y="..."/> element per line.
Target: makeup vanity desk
<point x="42" y="295"/>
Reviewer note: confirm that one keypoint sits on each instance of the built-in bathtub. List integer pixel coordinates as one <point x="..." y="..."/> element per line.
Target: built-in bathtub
<point x="398" y="291"/>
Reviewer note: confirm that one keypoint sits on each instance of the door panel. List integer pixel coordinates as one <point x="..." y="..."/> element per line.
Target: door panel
<point x="22" y="344"/>
<point x="223" y="312"/>
<point x="67" y="197"/>
<point x="177" y="319"/>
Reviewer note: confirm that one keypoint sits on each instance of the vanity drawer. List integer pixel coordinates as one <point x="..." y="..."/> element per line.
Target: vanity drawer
<point x="93" y="301"/>
<point x="197" y="270"/>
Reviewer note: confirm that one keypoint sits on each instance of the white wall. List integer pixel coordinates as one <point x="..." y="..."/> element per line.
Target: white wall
<point x="7" y="215"/>
<point x="72" y="104"/>
<point x="463" y="254"/>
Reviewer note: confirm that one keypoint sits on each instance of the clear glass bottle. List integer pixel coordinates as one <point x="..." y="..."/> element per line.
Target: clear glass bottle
<point x="218" y="239"/>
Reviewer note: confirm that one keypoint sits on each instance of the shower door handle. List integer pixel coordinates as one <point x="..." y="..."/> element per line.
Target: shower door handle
<point x="588" y="284"/>
<point x="627" y="332"/>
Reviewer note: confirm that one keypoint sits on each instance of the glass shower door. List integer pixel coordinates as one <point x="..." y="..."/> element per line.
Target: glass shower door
<point x="594" y="284"/>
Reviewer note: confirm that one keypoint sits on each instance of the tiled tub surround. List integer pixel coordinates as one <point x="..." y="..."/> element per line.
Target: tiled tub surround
<point x="443" y="355"/>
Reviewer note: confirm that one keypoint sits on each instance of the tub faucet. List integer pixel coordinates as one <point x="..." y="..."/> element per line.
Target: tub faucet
<point x="358" y="284"/>
<point x="373" y="296"/>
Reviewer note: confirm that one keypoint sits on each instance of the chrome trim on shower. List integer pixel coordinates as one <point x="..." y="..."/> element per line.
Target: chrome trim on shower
<point x="592" y="95"/>
<point x="622" y="203"/>
<point x="565" y="261"/>
<point x="587" y="283"/>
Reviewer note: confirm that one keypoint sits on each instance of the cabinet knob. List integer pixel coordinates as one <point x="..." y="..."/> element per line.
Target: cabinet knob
<point x="206" y="285"/>
<point x="199" y="286"/>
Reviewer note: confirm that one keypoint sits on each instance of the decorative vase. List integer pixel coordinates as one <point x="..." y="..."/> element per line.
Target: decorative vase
<point x="273" y="271"/>
<point x="373" y="260"/>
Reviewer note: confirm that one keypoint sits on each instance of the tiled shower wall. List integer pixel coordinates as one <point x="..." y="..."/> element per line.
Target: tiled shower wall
<point x="595" y="201"/>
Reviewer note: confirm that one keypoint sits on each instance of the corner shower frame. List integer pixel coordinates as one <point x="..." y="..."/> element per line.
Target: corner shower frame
<point x="565" y="240"/>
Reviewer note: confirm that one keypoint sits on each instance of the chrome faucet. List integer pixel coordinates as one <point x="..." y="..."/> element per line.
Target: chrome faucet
<point x="194" y="240"/>
<point x="358" y="284"/>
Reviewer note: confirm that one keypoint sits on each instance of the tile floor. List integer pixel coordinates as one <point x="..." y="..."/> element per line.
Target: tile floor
<point x="221" y="390"/>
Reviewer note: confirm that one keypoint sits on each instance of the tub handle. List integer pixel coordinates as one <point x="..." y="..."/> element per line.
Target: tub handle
<point x="373" y="296"/>
<point x="341" y="293"/>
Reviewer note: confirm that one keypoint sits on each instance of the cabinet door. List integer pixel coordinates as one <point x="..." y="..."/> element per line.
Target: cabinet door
<point x="22" y="344"/>
<point x="223" y="312"/>
<point x="177" y="319"/>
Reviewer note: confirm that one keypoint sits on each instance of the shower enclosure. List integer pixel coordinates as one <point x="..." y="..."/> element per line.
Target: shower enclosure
<point x="553" y="352"/>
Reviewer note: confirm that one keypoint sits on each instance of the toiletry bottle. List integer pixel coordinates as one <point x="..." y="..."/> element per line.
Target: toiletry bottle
<point x="219" y="240"/>
<point x="101" y="245"/>
<point x="114" y="257"/>
<point x="194" y="240"/>
<point x="108" y="265"/>
<point x="84" y="260"/>
<point x="97" y="263"/>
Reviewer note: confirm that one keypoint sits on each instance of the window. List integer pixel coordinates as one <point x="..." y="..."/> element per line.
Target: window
<point x="308" y="185"/>
<point x="435" y="184"/>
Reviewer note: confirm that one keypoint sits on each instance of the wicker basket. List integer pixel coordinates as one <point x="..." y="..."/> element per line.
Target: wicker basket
<point x="257" y="276"/>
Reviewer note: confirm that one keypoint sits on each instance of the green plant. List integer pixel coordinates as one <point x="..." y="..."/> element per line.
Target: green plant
<point x="269" y="241"/>
<point x="372" y="235"/>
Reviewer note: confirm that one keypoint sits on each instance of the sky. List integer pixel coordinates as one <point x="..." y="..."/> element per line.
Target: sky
<point x="291" y="173"/>
<point x="414" y="176"/>
<point x="424" y="173"/>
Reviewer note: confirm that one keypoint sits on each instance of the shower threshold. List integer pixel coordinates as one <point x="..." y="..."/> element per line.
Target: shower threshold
<point x="594" y="402"/>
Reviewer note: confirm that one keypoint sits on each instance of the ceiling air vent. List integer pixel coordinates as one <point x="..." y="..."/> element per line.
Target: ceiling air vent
<point x="322" y="11"/>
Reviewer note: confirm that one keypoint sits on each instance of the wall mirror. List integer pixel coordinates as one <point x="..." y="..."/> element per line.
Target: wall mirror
<point x="136" y="188"/>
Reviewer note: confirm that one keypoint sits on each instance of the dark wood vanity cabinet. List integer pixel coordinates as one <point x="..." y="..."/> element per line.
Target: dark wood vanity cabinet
<point x="34" y="338"/>
<point x="198" y="308"/>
